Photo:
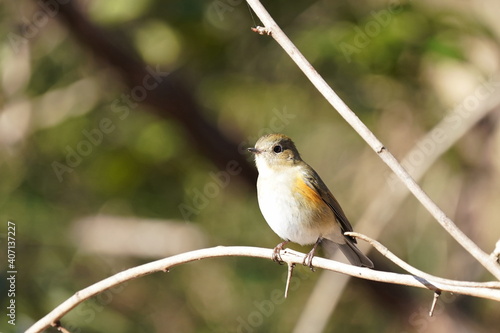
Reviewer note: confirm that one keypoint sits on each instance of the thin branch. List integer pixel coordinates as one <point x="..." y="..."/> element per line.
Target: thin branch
<point x="495" y="255"/>
<point x="378" y="213"/>
<point x="434" y="302"/>
<point x="272" y="28"/>
<point x="57" y="325"/>
<point x="289" y="256"/>
<point x="289" y="277"/>
<point x="415" y="271"/>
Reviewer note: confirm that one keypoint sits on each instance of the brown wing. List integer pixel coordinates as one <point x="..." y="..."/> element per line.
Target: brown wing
<point x="314" y="181"/>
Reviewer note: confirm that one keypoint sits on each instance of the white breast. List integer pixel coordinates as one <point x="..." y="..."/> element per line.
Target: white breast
<point x="282" y="211"/>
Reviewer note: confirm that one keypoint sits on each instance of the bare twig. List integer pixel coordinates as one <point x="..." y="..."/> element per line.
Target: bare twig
<point x="373" y="221"/>
<point x="434" y="302"/>
<point x="57" y="325"/>
<point x="261" y="30"/>
<point x="412" y="270"/>
<point x="274" y="30"/>
<point x="495" y="255"/>
<point x="289" y="277"/>
<point x="289" y="256"/>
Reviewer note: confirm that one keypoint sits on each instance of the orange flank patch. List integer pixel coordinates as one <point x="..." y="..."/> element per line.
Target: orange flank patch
<point x="307" y="193"/>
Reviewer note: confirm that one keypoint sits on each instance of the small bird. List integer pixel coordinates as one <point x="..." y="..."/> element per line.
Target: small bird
<point x="297" y="204"/>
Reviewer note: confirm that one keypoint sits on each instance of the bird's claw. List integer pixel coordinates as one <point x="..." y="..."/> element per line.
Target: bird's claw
<point x="277" y="256"/>
<point x="276" y="253"/>
<point x="308" y="260"/>
<point x="309" y="257"/>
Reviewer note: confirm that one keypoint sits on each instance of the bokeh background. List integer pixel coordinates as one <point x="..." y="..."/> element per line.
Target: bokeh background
<point x="122" y="128"/>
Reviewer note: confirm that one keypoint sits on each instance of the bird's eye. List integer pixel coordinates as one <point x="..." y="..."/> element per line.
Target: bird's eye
<point x="278" y="149"/>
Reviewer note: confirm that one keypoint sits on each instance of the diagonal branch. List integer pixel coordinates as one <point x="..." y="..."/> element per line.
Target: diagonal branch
<point x="289" y="256"/>
<point x="377" y="214"/>
<point x="412" y="270"/>
<point x="272" y="28"/>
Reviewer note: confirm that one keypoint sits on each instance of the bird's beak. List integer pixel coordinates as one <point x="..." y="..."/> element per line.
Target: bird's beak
<point x="254" y="150"/>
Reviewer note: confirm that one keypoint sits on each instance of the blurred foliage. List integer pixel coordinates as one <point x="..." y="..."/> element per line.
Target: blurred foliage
<point x="401" y="66"/>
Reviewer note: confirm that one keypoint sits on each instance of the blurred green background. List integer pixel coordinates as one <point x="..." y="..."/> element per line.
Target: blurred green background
<point x="100" y="170"/>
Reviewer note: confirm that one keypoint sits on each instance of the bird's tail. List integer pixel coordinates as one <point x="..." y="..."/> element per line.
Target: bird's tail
<point x="349" y="249"/>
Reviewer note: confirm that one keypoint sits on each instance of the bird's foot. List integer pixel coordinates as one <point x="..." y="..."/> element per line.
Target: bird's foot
<point x="308" y="260"/>
<point x="276" y="252"/>
<point x="309" y="257"/>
